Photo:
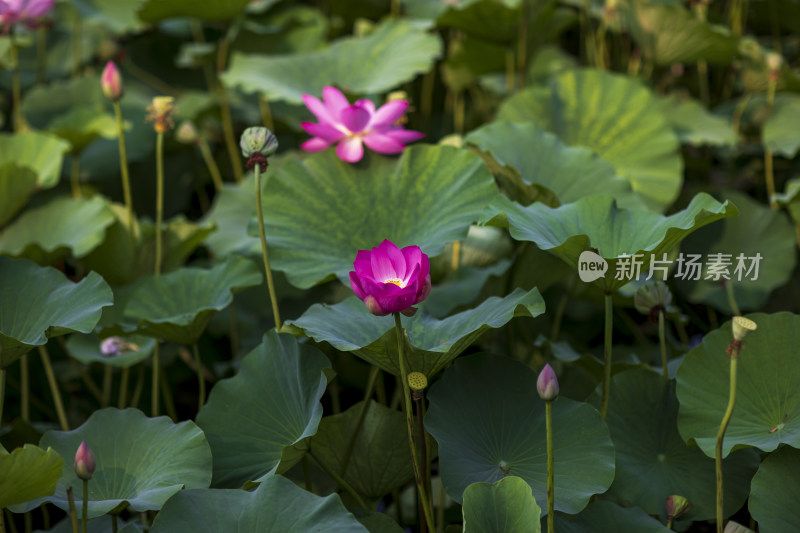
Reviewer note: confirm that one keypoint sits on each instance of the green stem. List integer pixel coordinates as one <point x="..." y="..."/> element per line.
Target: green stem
<point x="51" y="380"/>
<point x="522" y="46"/>
<point x="197" y="33"/>
<point x="2" y="391"/>
<point x="663" y="343"/>
<point x="200" y="378"/>
<point x="75" y="176"/>
<point x="123" y="166"/>
<point x="123" y="387"/>
<point x="440" y="509"/>
<point x="458" y="112"/>
<point x="600" y="46"/>
<point x="264" y="252"/>
<point x="28" y="522"/>
<point x="25" y="388"/>
<point x="85" y="514"/>
<point x="234" y="331"/>
<point x="607" y="355"/>
<point x="362" y="413"/>
<point x="340" y="480"/>
<point x="137" y="389"/>
<point x="107" y="377"/>
<point x="732" y="298"/>
<point x="114" y="525"/>
<point x="721" y="435"/>
<point x="166" y="392"/>
<point x="669" y="523"/>
<point x="307" y="474"/>
<point x="15" y="86"/>
<point x="154" y="383"/>
<point x="41" y="55"/>
<point x="159" y="197"/>
<point x="73" y="513"/>
<point x="45" y="516"/>
<point x="266" y="112"/>
<point x="510" y="78"/>
<point x="401" y="357"/>
<point x="455" y="260"/>
<point x="423" y="447"/>
<point x="213" y="169"/>
<point x="225" y="112"/>
<point x="548" y="414"/>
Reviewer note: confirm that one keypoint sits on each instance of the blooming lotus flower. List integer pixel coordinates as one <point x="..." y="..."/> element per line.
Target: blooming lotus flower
<point x="391" y="280"/>
<point x="350" y="125"/>
<point x="111" y="81"/>
<point x="26" y="12"/>
<point x="84" y="462"/>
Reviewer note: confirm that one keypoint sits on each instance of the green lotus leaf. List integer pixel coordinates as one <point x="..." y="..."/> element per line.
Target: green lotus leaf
<point x="321" y="211"/>
<point x="156" y="10"/>
<point x="597" y="517"/>
<point x="790" y="199"/>
<point x="267" y="410"/>
<point x="40" y="152"/>
<point x="758" y="231"/>
<point x="541" y="159"/>
<point x="286" y="30"/>
<point x="694" y="125"/>
<point x="86" y="349"/>
<point x="100" y="524"/>
<point x="780" y="132"/>
<point x="461" y="287"/>
<point x="508" y="506"/>
<point x="276" y="505"/>
<point x="432" y="343"/>
<point x="40" y="302"/>
<point x="362" y="65"/>
<point x="670" y="34"/>
<point x="65" y="226"/>
<point x="119" y="16"/>
<point x="595" y="222"/>
<point x="775" y="491"/>
<point x="377" y="522"/>
<point x="232" y="210"/>
<point x="475" y="444"/>
<point x="496" y="22"/>
<point x="28" y="472"/>
<point x="177" y="306"/>
<point x="767" y="411"/>
<point x="653" y="462"/>
<point x="380" y="460"/>
<point x="615" y="116"/>
<point x="141" y="461"/>
<point x="17" y="185"/>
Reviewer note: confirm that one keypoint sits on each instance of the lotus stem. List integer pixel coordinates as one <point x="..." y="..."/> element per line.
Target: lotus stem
<point x="340" y="480"/>
<point x="423" y="447"/>
<point x="548" y="417"/>
<point x="41" y="55"/>
<point x="85" y="514"/>
<point x="107" y="377"/>
<point x="123" y="386"/>
<point x="440" y="509"/>
<point x="732" y="298"/>
<point x="522" y="45"/>
<point x="73" y="513"/>
<point x="213" y="169"/>
<point x="137" y="390"/>
<point x="264" y="252"/>
<point x="663" y="344"/>
<point x="307" y="475"/>
<point x="455" y="261"/>
<point x="25" y="389"/>
<point x="200" y="378"/>
<point x="2" y="391"/>
<point x="426" y="104"/>
<point x="159" y="197"/>
<point x="374" y="371"/>
<point x="510" y="78"/>
<point x="168" y="403"/>
<point x="15" y="85"/>
<point x="401" y="357"/>
<point x="607" y="354"/>
<point x="600" y="45"/>
<point x="266" y="112"/>
<point x="123" y="166"/>
<point x="51" y="380"/>
<point x="75" y="176"/>
<point x="114" y="525"/>
<point x="458" y="112"/>
<point x="768" y="170"/>
<point x="45" y="516"/>
<point x="225" y="112"/>
<point x="726" y="418"/>
<point x="197" y="33"/>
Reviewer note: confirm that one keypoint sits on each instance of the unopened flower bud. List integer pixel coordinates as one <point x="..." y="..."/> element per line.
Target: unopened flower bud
<point x="186" y="133"/>
<point x="677" y="506"/>
<point x="735" y="527"/>
<point x="84" y="462"/>
<point x="113" y="346"/>
<point x="742" y="327"/>
<point x="547" y="384"/>
<point x="417" y="381"/>
<point x="652" y="298"/>
<point x="111" y="82"/>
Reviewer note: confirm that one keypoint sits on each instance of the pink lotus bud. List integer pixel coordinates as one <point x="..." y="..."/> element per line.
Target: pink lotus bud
<point x="112" y="82"/>
<point x="677" y="506"/>
<point x="547" y="384"/>
<point x="84" y="462"/>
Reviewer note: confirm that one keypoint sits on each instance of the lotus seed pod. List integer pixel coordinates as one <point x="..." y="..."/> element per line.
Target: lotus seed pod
<point x="654" y="295"/>
<point x="160" y="112"/>
<point x="417" y="381"/>
<point x="677" y="506"/>
<point x="774" y="61"/>
<point x="742" y="327"/>
<point x="186" y="133"/>
<point x="547" y="384"/>
<point x="84" y="462"/>
<point x="258" y="141"/>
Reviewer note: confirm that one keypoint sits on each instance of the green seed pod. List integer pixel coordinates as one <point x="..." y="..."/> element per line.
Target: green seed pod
<point x="258" y="141"/>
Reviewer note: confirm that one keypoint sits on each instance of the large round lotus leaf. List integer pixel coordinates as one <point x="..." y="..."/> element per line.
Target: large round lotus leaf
<point x="41" y="152"/>
<point x="767" y="411"/>
<point x="780" y="130"/>
<point x="272" y="404"/>
<point x="524" y="151"/>
<point x="28" y="472"/>
<point x="775" y="491"/>
<point x="100" y="524"/>
<point x="757" y="231"/>
<point x="653" y="462"/>
<point x="489" y="422"/>
<point x="86" y="349"/>
<point x="65" y="226"/>
<point x="177" y="306"/>
<point x="119" y="16"/>
<point x="617" y="117"/>
<point x="461" y="287"/>
<point x="376" y="522"/>
<point x="601" y="514"/>
<point x="432" y="343"/>
<point x="140" y="461"/>
<point x="508" y="506"/>
<point x="276" y="505"/>
<point x="380" y="461"/>
<point x="596" y="222"/>
<point x="362" y="65"/>
<point x="156" y="10"/>
<point x="17" y="185"/>
<point x="40" y="302"/>
<point x="694" y="125"/>
<point x="670" y="34"/>
<point x="320" y="212"/>
<point x="497" y="22"/>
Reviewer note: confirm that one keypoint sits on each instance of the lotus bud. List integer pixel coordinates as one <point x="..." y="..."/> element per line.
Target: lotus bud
<point x="257" y="144"/>
<point x="735" y="527"/>
<point x="417" y="381"/>
<point x="84" y="462"/>
<point x="186" y="133"/>
<point x="160" y="112"/>
<point x="113" y="346"/>
<point x="111" y="82"/>
<point x="547" y="384"/>
<point x="677" y="506"/>
<point x="742" y="327"/>
<point x="652" y="299"/>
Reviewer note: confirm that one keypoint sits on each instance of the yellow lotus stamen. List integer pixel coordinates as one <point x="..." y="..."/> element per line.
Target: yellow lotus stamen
<point x="395" y="281"/>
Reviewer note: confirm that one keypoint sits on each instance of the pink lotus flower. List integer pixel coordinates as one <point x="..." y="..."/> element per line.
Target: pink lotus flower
<point x="391" y="280"/>
<point x="26" y="12"/>
<point x="349" y="125"/>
